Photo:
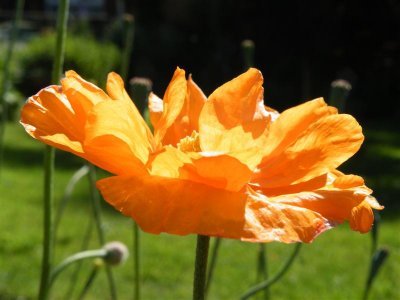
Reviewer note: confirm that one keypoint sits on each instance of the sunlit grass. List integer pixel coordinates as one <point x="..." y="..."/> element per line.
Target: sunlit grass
<point x="333" y="267"/>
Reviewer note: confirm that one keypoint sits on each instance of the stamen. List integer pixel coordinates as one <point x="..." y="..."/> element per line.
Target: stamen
<point x="190" y="143"/>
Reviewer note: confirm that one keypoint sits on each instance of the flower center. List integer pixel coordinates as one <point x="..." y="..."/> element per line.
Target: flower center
<point x="190" y="143"/>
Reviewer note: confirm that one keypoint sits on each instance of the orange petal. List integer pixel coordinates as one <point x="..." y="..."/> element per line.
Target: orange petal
<point x="81" y="94"/>
<point x="188" y="120"/>
<point x="173" y="102"/>
<point x="292" y="122"/>
<point x="182" y="207"/>
<point x="116" y="90"/>
<point x="80" y="118"/>
<point x="195" y="100"/>
<point x="50" y="118"/>
<point x="221" y="171"/>
<point x="319" y="147"/>
<point x="234" y="117"/>
<point x="337" y="205"/>
<point x="309" y="185"/>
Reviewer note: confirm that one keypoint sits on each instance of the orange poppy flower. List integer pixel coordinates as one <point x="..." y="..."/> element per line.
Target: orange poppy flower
<point x="223" y="166"/>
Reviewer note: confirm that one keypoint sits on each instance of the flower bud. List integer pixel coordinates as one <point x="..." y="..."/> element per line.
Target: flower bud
<point x="117" y="253"/>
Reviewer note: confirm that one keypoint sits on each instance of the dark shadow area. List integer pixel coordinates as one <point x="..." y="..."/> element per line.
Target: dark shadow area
<point x="23" y="157"/>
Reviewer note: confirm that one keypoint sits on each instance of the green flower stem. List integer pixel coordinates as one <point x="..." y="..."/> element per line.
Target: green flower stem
<point x="97" y="218"/>
<point x="129" y="26"/>
<point x="262" y="270"/>
<point x="267" y="283"/>
<point x="136" y="260"/>
<point x="99" y="253"/>
<point x="62" y="20"/>
<point x="377" y="261"/>
<point x="48" y="230"/>
<point x="6" y="73"/>
<point x="213" y="262"/>
<point x="200" y="268"/>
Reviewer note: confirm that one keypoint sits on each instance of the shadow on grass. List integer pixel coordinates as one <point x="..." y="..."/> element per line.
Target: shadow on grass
<point x="15" y="156"/>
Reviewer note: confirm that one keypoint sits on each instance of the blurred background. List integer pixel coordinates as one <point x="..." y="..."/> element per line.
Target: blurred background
<point x="300" y="47"/>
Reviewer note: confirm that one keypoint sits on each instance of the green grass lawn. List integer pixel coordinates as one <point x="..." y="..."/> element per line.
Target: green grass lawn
<point x="334" y="266"/>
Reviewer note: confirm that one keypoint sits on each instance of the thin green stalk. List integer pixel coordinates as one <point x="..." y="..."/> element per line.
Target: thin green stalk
<point x="48" y="231"/>
<point x="200" y="270"/>
<point x="76" y="177"/>
<point x="97" y="218"/>
<point x="139" y="89"/>
<point x="136" y="260"/>
<point x="62" y="20"/>
<point x="48" y="228"/>
<point x="213" y="262"/>
<point x="6" y="74"/>
<point x="98" y="253"/>
<point x="84" y="246"/>
<point x="129" y="26"/>
<point x="267" y="283"/>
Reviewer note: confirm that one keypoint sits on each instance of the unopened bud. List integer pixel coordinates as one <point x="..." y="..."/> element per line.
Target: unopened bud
<point x="340" y="90"/>
<point x="248" y="48"/>
<point x="140" y="89"/>
<point x="117" y="253"/>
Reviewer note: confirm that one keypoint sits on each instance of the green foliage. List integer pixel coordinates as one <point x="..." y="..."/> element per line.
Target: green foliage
<point x="12" y="97"/>
<point x="90" y="58"/>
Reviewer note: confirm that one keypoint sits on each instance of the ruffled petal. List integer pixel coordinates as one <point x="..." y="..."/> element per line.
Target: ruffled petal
<point x="234" y="118"/>
<point x="346" y="198"/>
<point x="116" y="137"/>
<point x="81" y="94"/>
<point x="316" y="146"/>
<point x="221" y="171"/>
<point x="80" y="118"/>
<point x="182" y="207"/>
<point x="267" y="221"/>
<point x="49" y="117"/>
<point x="160" y="204"/>
<point x="362" y="217"/>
